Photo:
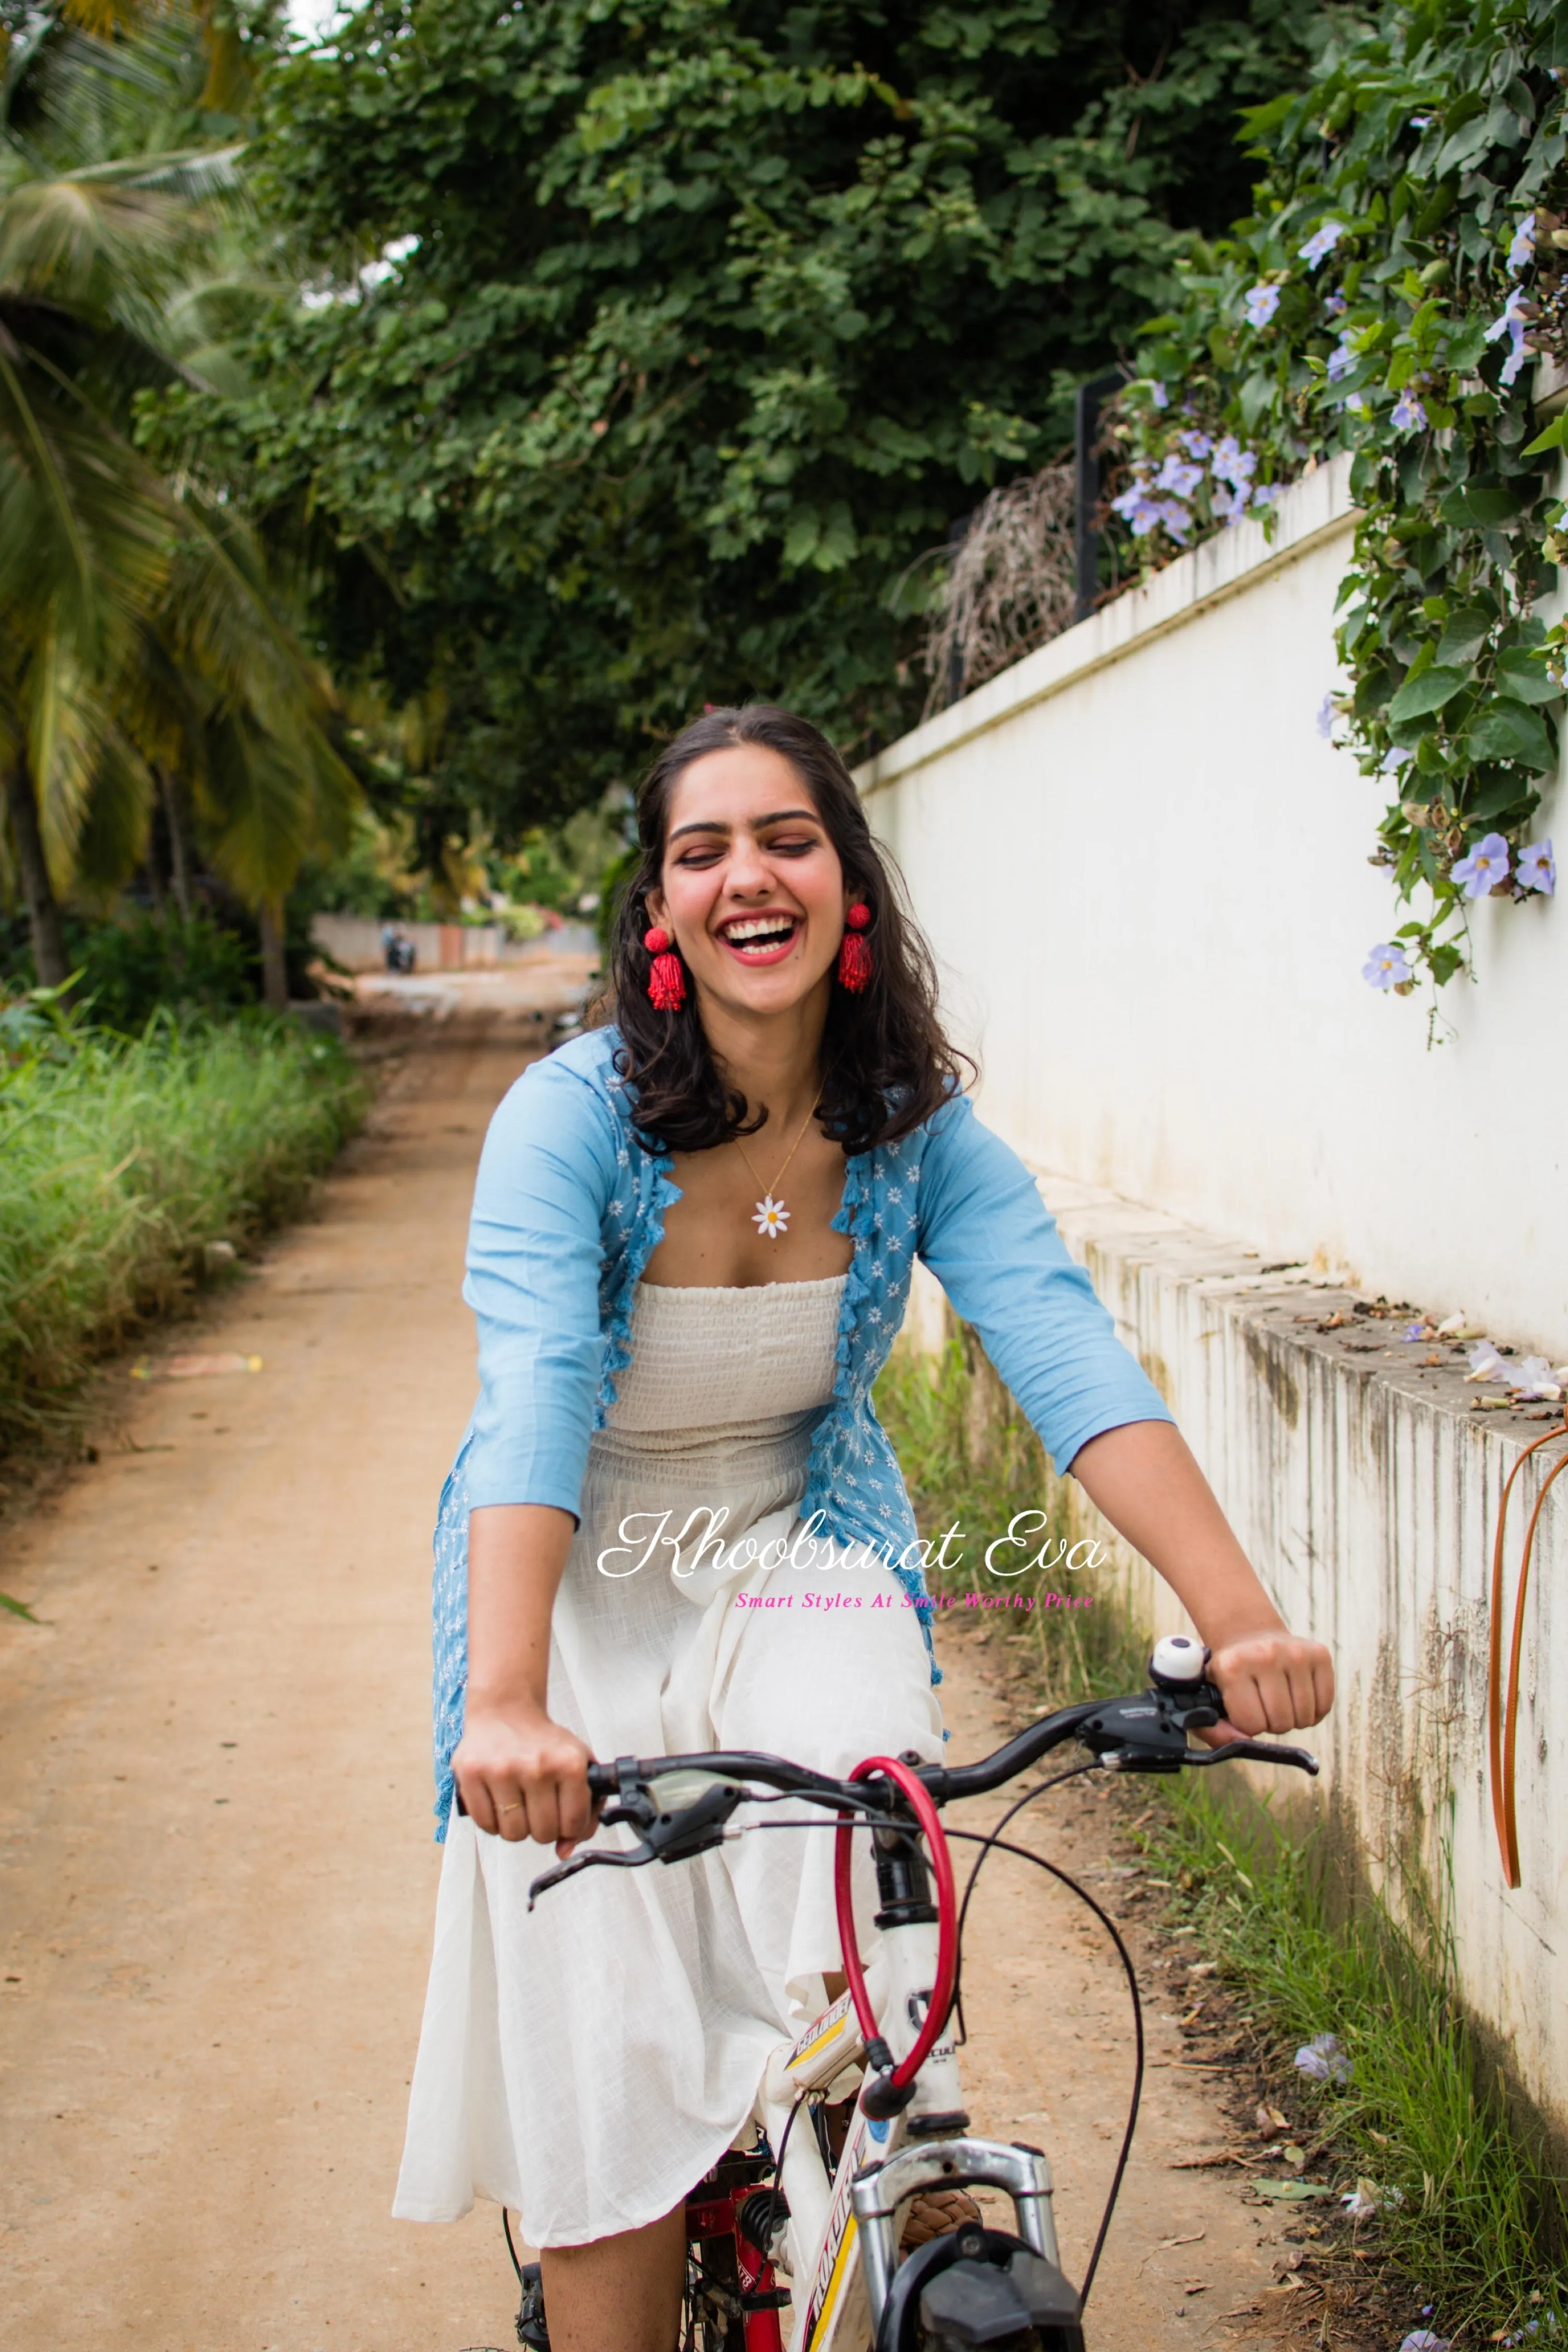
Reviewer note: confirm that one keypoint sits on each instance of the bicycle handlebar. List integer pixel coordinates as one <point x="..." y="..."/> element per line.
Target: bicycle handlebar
<point x="1147" y="1732"/>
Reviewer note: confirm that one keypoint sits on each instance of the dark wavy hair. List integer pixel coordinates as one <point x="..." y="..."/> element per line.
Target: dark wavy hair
<point x="886" y="1063"/>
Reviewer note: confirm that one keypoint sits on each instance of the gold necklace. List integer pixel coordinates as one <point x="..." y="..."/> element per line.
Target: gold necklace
<point x="770" y="1216"/>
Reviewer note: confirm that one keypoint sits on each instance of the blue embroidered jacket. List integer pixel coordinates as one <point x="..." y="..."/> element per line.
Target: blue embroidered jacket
<point x="568" y="1209"/>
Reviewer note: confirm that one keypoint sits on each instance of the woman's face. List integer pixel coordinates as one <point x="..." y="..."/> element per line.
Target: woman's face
<point x="752" y="887"/>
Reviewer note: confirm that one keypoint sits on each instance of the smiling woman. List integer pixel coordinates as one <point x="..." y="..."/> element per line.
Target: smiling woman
<point x="754" y="879"/>
<point x="662" y="1350"/>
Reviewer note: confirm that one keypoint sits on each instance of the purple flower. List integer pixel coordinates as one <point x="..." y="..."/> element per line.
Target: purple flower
<point x="1196" y="445"/>
<point x="1512" y="324"/>
<point x="1326" y="716"/>
<point x="1341" y="359"/>
<point x="1323" y="241"/>
<point x="1234" y="464"/>
<point x="1408" y="415"/>
<point x="1262" y="301"/>
<point x="1421" y="121"/>
<point x="1176" y="476"/>
<point x="1335" y="305"/>
<point x="1537" y="868"/>
<point x="1266" y="494"/>
<point x="1486" y="866"/>
<point x="1136" y="507"/>
<point x="1143" y="512"/>
<point x="1392" y="758"/>
<point x="1157" y="392"/>
<point x="1522" y="252"/>
<point x="1385" y="967"/>
<point x="1322" y="2060"/>
<point x="1354" y="404"/>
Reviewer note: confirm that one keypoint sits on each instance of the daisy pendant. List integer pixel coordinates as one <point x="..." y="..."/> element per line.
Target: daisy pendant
<point x="770" y="1217"/>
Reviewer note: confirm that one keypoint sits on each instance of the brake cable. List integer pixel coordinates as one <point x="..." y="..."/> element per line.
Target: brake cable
<point x="995" y="1845"/>
<point x="1027" y="1798"/>
<point x="917" y="1796"/>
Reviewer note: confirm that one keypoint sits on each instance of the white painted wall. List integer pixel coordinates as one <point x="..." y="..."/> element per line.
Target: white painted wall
<point x="1146" y="876"/>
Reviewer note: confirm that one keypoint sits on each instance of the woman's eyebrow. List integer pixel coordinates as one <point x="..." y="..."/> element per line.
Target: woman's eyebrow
<point x="716" y="825"/>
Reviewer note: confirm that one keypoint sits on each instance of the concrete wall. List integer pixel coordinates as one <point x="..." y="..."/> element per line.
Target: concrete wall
<point x="1144" y="874"/>
<point x="354" y="941"/>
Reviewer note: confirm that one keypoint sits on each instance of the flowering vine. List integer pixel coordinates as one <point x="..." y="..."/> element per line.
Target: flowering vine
<point x="1407" y="263"/>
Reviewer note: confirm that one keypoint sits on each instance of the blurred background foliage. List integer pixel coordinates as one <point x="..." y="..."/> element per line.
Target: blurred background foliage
<point x="401" y="435"/>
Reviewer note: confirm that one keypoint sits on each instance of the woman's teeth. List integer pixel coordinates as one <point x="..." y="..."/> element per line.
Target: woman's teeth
<point x="766" y="932"/>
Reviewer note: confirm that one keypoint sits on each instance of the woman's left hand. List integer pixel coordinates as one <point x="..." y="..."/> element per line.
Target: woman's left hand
<point x="1271" y="1682"/>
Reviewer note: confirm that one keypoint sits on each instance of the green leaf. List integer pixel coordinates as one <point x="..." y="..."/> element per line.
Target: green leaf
<point x="1464" y="634"/>
<point x="1507" y="798"/>
<point x="1550" y="439"/>
<point x="1466" y="343"/>
<point x="1428" y="691"/>
<point x="1480" y="505"/>
<point x="1510" y="731"/>
<point x="1290" y="2192"/>
<point x="1254" y="396"/>
<point x="1525" y="678"/>
<point x="18" y="1608"/>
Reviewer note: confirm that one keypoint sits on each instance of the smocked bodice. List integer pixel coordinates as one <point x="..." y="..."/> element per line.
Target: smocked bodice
<point x="710" y="1364"/>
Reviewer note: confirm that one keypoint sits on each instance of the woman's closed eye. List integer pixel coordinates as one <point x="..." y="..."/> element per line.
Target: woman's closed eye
<point x="701" y="855"/>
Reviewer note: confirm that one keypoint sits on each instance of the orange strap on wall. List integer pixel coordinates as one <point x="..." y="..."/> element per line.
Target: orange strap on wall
<point x="1502" y="1722"/>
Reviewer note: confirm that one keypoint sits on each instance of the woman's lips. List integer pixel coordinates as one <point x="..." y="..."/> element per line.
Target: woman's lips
<point x="763" y="948"/>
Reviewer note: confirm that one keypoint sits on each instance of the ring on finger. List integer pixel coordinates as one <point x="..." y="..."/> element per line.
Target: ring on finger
<point x="515" y="1807"/>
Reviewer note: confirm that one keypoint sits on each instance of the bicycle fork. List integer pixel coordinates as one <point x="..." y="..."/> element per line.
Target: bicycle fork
<point x="851" y="2224"/>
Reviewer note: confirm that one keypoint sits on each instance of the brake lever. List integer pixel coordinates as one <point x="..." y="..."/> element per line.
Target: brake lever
<point x="565" y="1870"/>
<point x="675" y="1836"/>
<point x="1263" y="1751"/>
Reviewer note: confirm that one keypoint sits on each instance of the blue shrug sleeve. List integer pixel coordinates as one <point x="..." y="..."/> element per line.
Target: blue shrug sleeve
<point x="545" y="1179"/>
<point x="986" y="1236"/>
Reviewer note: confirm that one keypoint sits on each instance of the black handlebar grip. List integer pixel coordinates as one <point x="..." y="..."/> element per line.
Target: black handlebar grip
<point x="603" y="1781"/>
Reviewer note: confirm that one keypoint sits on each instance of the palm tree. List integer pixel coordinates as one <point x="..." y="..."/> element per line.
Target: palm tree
<point x="141" y="634"/>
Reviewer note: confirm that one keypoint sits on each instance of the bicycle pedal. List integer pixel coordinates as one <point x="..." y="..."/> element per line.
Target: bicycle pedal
<point x="532" y="2329"/>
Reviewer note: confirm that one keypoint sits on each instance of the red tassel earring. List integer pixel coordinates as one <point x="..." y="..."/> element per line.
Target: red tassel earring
<point x="854" y="953"/>
<point x="666" y="981"/>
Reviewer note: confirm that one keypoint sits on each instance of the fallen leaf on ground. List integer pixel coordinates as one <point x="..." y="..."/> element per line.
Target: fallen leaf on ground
<point x="1291" y="2192"/>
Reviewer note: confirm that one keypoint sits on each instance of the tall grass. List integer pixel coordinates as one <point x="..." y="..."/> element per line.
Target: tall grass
<point x="1469" y="2203"/>
<point x="969" y="1456"/>
<point x="121" y="1159"/>
<point x="1468" y="2200"/>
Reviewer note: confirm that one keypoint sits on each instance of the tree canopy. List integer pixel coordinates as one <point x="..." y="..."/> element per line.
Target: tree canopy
<point x="651" y="343"/>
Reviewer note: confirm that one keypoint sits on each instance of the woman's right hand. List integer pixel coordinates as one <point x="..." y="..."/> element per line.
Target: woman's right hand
<point x="523" y="1775"/>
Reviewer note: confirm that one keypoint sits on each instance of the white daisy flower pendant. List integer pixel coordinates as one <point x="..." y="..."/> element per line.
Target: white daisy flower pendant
<point x="770" y="1217"/>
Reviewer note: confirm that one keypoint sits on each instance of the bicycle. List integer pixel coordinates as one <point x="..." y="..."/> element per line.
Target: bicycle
<point x="791" y="2206"/>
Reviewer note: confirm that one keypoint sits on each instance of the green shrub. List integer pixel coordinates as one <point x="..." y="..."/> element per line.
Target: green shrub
<point x="122" y="1157"/>
<point x="130" y="970"/>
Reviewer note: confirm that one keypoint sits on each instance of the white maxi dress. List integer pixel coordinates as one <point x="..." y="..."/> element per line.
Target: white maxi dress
<point x="587" y="2063"/>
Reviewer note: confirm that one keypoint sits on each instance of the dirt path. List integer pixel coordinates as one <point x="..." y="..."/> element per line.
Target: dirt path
<point x="216" y="1873"/>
